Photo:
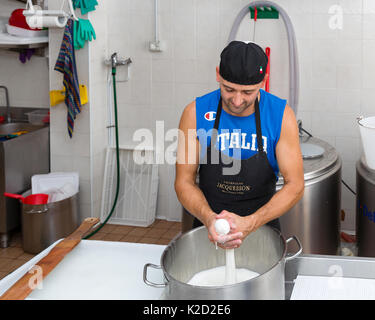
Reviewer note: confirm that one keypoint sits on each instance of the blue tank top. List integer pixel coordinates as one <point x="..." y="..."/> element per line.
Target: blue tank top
<point x="239" y="133"/>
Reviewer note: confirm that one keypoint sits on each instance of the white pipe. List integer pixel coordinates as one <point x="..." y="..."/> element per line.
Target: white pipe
<point x="293" y="56"/>
<point x="156" y="22"/>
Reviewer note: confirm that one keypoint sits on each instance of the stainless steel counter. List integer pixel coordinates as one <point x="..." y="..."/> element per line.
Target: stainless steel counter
<point x="328" y="266"/>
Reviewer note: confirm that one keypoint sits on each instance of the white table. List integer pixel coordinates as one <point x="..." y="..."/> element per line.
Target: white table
<point x="97" y="270"/>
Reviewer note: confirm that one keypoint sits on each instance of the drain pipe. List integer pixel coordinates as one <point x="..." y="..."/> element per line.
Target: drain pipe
<point x="293" y="57"/>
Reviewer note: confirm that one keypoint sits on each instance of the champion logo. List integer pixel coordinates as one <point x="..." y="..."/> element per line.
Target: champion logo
<point x="210" y="116"/>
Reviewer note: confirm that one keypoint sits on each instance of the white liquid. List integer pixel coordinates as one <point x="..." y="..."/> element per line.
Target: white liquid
<point x="230" y="268"/>
<point x="216" y="276"/>
<point x="227" y="274"/>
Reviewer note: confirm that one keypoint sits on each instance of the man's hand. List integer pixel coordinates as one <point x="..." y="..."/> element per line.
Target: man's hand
<point x="240" y="227"/>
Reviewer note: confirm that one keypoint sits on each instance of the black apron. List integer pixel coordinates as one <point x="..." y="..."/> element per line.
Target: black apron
<point x="242" y="193"/>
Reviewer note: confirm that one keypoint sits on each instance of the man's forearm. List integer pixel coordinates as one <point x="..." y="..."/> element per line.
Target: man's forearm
<point x="194" y="201"/>
<point x="280" y="203"/>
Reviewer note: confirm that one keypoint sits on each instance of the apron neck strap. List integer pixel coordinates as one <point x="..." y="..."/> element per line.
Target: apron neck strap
<point x="218" y="113"/>
<point x="258" y="126"/>
<point x="257" y="123"/>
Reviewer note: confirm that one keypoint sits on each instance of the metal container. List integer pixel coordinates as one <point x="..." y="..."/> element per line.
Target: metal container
<point x="335" y="268"/>
<point x="263" y="251"/>
<point x="365" y="217"/>
<point x="315" y="219"/>
<point x="42" y="225"/>
<point x="20" y="159"/>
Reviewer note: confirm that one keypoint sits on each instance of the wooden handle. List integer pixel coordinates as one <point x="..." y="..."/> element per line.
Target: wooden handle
<point x="24" y="286"/>
<point x="84" y="228"/>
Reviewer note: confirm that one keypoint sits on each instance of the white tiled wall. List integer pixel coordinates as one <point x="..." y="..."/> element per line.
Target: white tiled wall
<point x="337" y="79"/>
<point x="337" y="82"/>
<point x="85" y="151"/>
<point x="98" y="52"/>
<point x="337" y="69"/>
<point x="71" y="154"/>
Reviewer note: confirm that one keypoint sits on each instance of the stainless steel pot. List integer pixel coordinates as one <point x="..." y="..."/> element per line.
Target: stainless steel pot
<point x="43" y="224"/>
<point x="263" y="251"/>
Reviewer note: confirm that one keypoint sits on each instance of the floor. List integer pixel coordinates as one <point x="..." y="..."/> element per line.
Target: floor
<point x="160" y="232"/>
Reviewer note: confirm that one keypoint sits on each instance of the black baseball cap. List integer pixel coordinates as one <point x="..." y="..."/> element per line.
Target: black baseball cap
<point x="243" y="63"/>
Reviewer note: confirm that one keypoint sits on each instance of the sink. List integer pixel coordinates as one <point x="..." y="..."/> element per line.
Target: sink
<point x="8" y="128"/>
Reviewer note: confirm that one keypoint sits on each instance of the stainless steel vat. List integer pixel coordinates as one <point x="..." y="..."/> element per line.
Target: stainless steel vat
<point x="263" y="251"/>
<point x="315" y="219"/>
<point x="42" y="225"/>
<point x="20" y="159"/>
<point x="365" y="211"/>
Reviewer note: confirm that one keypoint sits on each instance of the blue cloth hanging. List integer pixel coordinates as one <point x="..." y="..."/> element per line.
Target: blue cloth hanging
<point x="66" y="64"/>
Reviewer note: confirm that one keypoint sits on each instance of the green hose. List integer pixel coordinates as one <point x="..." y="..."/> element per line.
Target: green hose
<point x="117" y="159"/>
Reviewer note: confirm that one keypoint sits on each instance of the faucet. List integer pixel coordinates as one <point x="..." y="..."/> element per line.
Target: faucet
<point x="7" y="102"/>
<point x="115" y="61"/>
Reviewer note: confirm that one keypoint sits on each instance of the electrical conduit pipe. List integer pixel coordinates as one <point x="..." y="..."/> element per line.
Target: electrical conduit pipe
<point x="293" y="57"/>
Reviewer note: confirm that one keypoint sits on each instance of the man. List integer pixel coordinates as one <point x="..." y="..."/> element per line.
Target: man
<point x="257" y="131"/>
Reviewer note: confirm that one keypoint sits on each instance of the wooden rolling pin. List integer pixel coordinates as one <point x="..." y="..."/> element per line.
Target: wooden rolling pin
<point x="22" y="288"/>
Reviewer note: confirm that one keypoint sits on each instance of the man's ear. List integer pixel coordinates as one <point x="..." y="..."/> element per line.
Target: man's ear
<point x="264" y="80"/>
<point x="217" y="74"/>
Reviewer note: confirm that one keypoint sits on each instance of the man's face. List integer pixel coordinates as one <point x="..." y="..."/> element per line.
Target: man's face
<point x="238" y="98"/>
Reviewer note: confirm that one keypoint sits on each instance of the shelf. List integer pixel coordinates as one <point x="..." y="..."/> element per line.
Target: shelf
<point x="24" y="46"/>
<point x="8" y="41"/>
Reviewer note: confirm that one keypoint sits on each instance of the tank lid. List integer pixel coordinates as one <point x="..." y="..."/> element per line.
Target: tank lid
<point x="319" y="157"/>
<point x="311" y="151"/>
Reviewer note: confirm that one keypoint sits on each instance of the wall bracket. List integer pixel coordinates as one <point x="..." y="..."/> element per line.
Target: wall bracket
<point x="264" y="13"/>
